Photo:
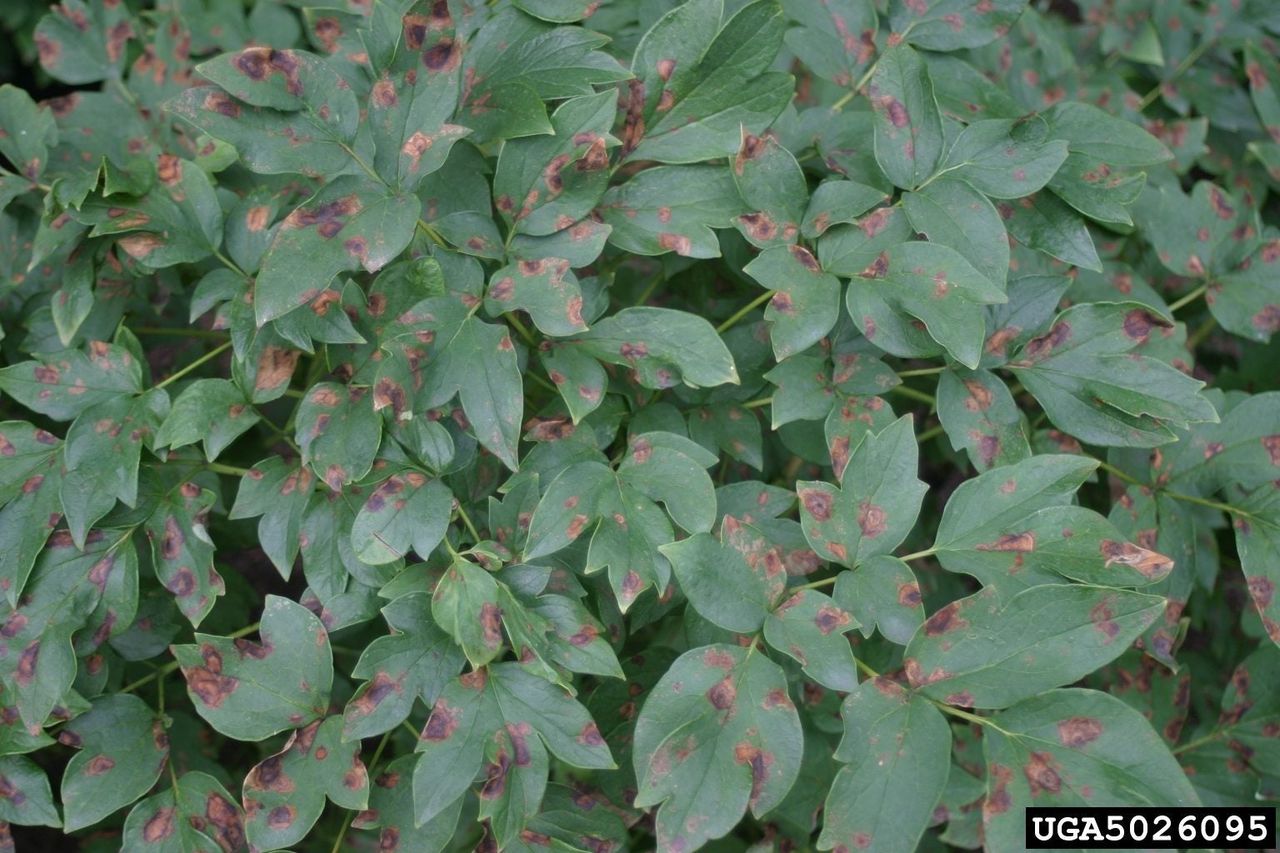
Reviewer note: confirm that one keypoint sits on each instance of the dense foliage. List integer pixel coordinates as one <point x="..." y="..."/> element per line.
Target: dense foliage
<point x="550" y="424"/>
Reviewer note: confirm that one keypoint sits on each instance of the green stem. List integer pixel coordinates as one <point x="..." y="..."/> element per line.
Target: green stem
<point x="929" y="434"/>
<point x="922" y="371"/>
<point x="432" y="234"/>
<point x="985" y="722"/>
<point x="231" y="470"/>
<point x="1199" y="51"/>
<point x="1189" y="298"/>
<point x="1201" y="741"/>
<point x="758" y="404"/>
<point x="230" y="264"/>
<point x="1119" y="475"/>
<point x="744" y="311"/>
<point x="162" y="671"/>
<point x="914" y="394"/>
<point x="466" y="520"/>
<point x="209" y="356"/>
<point x="1192" y="499"/>
<point x="1198" y="336"/>
<point x="918" y="555"/>
<point x="818" y="584"/>
<point x="342" y="831"/>
<point x="178" y="332"/>
<point x="844" y="100"/>
<point x="521" y="329"/>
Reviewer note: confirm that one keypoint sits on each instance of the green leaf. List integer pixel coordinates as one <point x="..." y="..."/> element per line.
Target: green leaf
<point x="546" y="183"/>
<point x="698" y="86"/>
<point x="1005" y="158"/>
<point x="1092" y="385"/>
<point x="671" y="209"/>
<point x="349" y="225"/>
<point x="896" y="751"/>
<point x="122" y="751"/>
<point x="953" y="24"/>
<point x="31" y="132"/>
<point x="809" y="627"/>
<point x="1014" y="526"/>
<point x="465" y="605"/>
<point x="953" y="214"/>
<point x="196" y="816"/>
<point x="414" y="661"/>
<point x="717" y="734"/>
<point x="719" y="583"/>
<point x="213" y="411"/>
<point x="986" y="652"/>
<point x="908" y="126"/>
<point x="1043" y="222"/>
<point x="63" y="385"/>
<point x="101" y="456"/>
<point x="806" y="300"/>
<point x="408" y="510"/>
<point x="1073" y="748"/>
<point x="878" y="505"/>
<point x="469" y="358"/>
<point x="937" y="286"/>
<point x="663" y="346"/>
<point x="1101" y="136"/>
<point x="285" y="793"/>
<point x="515" y="61"/>
<point x="251" y="690"/>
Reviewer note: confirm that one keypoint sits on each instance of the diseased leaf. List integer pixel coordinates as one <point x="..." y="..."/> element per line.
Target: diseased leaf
<point x="896" y="751"/>
<point x="809" y="627"/>
<point x="469" y="358"/>
<point x="195" y="816"/>
<point x="699" y="86"/>
<point x="953" y="24"/>
<point x="415" y="661"/>
<point x="987" y="652"/>
<point x="937" y="286"/>
<point x="239" y="686"/>
<point x="285" y="793"/>
<point x="122" y="751"/>
<point x="671" y="209"/>
<point x="908" y="127"/>
<point x="663" y="347"/>
<point x="876" y="508"/>
<point x="1069" y="748"/>
<point x="1084" y="373"/>
<point x="731" y="721"/>
<point x="350" y="224"/>
<point x="806" y="301"/>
